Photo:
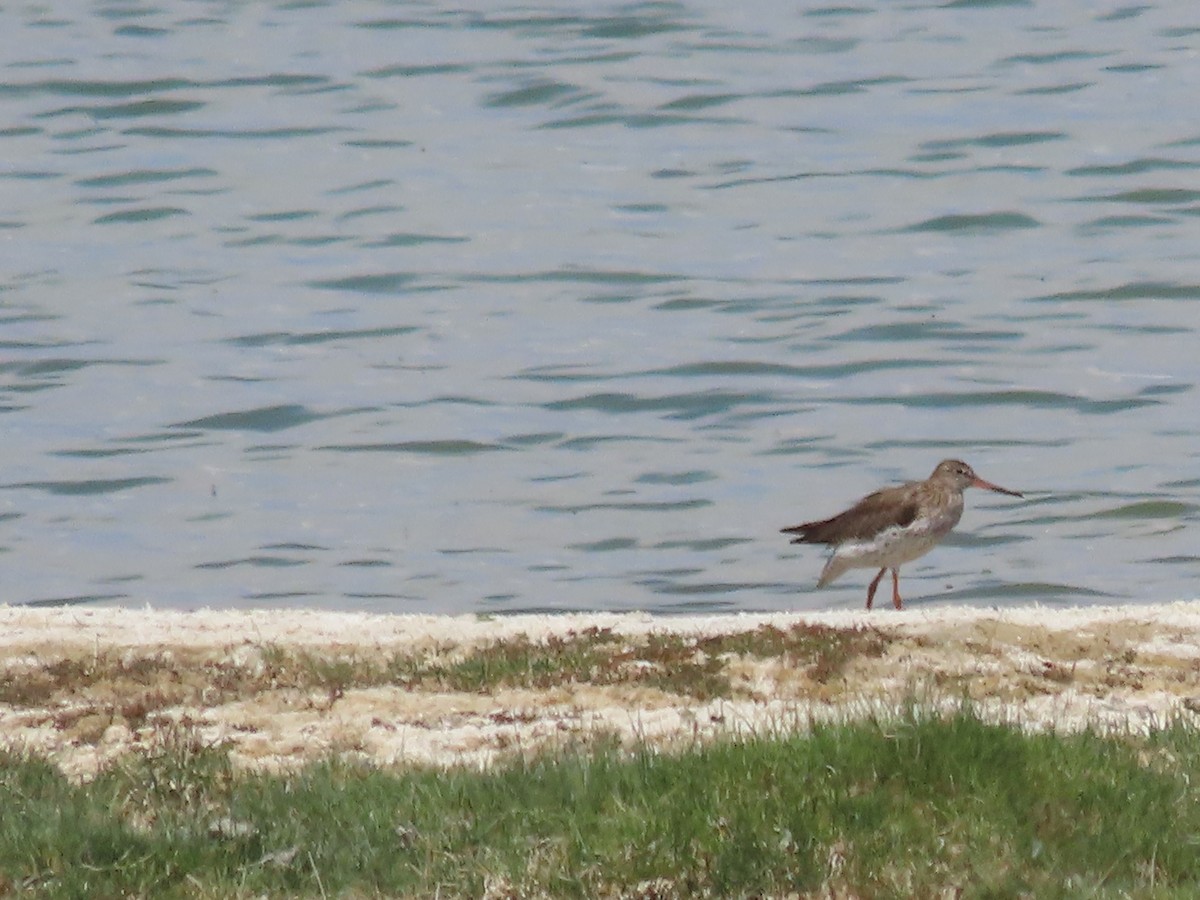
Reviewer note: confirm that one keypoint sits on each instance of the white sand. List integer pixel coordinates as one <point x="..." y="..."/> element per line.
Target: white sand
<point x="1125" y="667"/>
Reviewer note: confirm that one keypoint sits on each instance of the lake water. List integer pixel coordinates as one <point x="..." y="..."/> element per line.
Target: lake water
<point x="400" y="307"/>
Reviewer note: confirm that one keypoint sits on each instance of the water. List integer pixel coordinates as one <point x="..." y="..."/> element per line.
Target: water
<point x="400" y="307"/>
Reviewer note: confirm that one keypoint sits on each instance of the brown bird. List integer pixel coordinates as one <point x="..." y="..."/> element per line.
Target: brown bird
<point x="895" y="525"/>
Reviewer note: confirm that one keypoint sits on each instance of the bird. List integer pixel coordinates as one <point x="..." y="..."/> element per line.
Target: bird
<point x="894" y="525"/>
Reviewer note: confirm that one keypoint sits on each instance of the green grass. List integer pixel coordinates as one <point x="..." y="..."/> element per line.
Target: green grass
<point x="912" y="807"/>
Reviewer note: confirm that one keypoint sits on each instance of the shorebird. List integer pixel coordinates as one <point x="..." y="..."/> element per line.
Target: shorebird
<point x="893" y="526"/>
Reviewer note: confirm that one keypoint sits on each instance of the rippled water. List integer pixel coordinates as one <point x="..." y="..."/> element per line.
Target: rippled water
<point x="400" y="307"/>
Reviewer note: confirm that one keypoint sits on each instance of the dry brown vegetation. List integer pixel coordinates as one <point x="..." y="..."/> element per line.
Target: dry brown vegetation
<point x="474" y="694"/>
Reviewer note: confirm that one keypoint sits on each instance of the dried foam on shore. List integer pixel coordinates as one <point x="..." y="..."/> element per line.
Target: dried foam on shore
<point x="84" y="686"/>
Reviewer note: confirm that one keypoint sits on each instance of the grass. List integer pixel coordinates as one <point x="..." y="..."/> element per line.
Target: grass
<point x="921" y="805"/>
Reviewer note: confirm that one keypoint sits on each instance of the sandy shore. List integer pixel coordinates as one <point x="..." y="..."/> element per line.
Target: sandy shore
<point x="84" y="687"/>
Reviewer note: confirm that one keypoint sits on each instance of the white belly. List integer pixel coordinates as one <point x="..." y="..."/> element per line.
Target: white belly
<point x="889" y="549"/>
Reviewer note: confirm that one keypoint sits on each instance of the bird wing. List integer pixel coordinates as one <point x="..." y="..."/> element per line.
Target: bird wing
<point x="890" y="507"/>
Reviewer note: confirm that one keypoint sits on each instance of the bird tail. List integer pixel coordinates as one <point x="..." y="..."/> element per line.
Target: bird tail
<point x="809" y="532"/>
<point x="835" y="567"/>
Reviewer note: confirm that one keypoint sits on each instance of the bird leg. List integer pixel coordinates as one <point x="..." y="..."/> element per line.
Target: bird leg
<point x="871" y="589"/>
<point x="896" y="602"/>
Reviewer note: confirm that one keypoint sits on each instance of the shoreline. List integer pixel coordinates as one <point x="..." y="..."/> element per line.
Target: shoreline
<point x="85" y="686"/>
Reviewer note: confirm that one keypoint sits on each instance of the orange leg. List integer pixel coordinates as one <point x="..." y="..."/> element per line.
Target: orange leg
<point x="896" y="602"/>
<point x="871" y="589"/>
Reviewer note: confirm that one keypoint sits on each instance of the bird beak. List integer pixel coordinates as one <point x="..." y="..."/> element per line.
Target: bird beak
<point x="987" y="485"/>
